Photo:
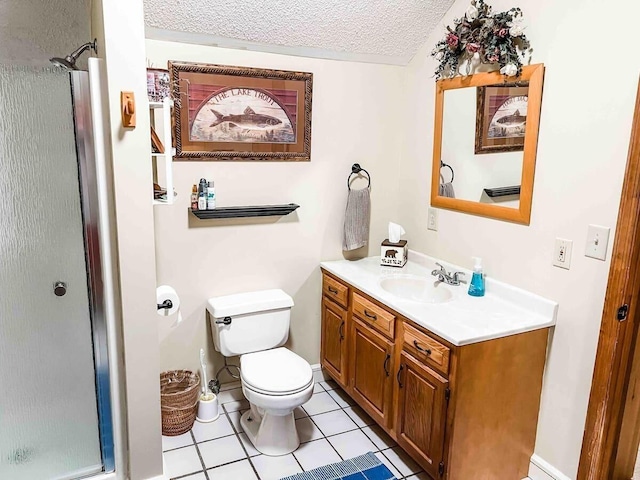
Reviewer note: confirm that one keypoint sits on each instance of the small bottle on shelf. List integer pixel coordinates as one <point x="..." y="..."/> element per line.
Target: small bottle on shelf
<point x="194" y="197"/>
<point x="202" y="194"/>
<point x="211" y="197"/>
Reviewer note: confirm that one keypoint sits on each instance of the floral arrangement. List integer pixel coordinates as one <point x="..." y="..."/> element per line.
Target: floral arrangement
<point x="483" y="37"/>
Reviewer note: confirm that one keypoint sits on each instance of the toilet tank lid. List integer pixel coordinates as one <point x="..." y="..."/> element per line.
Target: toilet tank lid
<point x="248" y="302"/>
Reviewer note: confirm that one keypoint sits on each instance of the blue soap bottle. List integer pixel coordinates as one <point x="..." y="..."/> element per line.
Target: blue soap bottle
<point x="476" y="286"/>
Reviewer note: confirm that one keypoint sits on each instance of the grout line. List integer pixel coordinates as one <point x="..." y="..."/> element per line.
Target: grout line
<point x="293" y="454"/>
<point x="204" y="468"/>
<point x="217" y="438"/>
<point x="237" y="434"/>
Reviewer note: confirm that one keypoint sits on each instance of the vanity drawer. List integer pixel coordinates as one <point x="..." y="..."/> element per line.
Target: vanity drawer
<point x="335" y="290"/>
<point x="425" y="348"/>
<point x="374" y="315"/>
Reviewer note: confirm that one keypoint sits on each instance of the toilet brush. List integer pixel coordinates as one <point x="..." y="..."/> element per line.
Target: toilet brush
<point x="208" y="404"/>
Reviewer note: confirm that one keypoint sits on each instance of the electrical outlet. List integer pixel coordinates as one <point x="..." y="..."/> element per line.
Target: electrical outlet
<point x="562" y="253"/>
<point x="597" y="241"/>
<point x="432" y="221"/>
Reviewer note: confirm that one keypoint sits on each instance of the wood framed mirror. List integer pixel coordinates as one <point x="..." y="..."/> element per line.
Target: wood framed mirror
<point x="485" y="143"/>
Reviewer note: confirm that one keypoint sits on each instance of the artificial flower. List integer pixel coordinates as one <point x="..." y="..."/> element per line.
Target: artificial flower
<point x="482" y="35"/>
<point x="452" y="40"/>
<point x="509" y="70"/>
<point x="472" y="13"/>
<point x="473" y="47"/>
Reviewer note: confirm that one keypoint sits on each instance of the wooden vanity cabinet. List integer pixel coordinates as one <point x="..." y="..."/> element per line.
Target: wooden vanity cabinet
<point x="461" y="412"/>
<point x="335" y="318"/>
<point x="421" y="413"/>
<point x="371" y="367"/>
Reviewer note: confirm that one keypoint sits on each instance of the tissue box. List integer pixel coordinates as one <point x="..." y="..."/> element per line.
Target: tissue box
<point x="393" y="254"/>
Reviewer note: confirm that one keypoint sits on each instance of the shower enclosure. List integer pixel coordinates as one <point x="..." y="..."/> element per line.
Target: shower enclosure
<point x="55" y="412"/>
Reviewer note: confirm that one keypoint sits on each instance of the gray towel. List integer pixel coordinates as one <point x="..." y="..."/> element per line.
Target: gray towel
<point x="356" y="219"/>
<point x="446" y="190"/>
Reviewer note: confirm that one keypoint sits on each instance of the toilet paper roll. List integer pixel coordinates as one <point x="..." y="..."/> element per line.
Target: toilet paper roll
<point x="163" y="293"/>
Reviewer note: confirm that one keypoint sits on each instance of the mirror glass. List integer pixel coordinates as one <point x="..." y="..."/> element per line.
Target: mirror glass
<point x="482" y="143"/>
<point x="485" y="142"/>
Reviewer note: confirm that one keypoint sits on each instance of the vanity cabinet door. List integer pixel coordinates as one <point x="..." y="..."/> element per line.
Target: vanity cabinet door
<point x="421" y="412"/>
<point x="333" y="346"/>
<point x="371" y="367"/>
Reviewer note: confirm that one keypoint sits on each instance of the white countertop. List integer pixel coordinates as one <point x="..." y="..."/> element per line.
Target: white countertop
<point x="504" y="310"/>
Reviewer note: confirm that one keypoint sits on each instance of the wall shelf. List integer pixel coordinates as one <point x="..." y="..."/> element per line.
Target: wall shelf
<point x="162" y="121"/>
<point x="242" y="212"/>
<point x="502" y="191"/>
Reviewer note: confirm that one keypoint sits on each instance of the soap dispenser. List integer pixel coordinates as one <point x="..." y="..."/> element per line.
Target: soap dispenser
<point x="476" y="286"/>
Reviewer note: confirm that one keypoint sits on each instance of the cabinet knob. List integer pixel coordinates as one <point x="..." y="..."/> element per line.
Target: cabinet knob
<point x="333" y="290"/>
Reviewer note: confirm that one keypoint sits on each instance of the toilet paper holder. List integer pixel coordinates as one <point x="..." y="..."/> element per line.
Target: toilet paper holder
<point x="166" y="304"/>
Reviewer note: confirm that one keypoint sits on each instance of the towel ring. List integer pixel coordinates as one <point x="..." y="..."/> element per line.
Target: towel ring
<point x="356" y="169"/>
<point x="444" y="165"/>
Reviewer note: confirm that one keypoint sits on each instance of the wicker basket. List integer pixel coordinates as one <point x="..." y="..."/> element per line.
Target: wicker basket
<point x="179" y="393"/>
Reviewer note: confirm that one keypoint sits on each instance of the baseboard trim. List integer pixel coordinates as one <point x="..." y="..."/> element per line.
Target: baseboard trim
<point x="315" y="367"/>
<point x="540" y="469"/>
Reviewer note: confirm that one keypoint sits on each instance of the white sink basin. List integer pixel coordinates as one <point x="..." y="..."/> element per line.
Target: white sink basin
<point x="417" y="289"/>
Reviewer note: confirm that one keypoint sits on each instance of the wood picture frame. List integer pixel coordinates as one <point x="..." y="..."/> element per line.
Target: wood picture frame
<point x="534" y="74"/>
<point x="231" y="113"/>
<point x="501" y="117"/>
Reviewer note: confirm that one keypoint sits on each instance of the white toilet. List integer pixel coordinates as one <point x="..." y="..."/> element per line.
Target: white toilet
<point x="274" y="380"/>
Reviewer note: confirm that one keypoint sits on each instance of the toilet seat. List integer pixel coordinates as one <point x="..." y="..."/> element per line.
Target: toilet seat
<point x="275" y="372"/>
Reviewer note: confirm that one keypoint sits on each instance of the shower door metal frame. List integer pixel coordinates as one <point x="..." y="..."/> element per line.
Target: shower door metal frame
<point x="88" y="179"/>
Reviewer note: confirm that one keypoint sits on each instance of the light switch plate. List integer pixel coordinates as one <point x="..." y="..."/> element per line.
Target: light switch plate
<point x="432" y="219"/>
<point x="562" y="253"/>
<point x="597" y="242"/>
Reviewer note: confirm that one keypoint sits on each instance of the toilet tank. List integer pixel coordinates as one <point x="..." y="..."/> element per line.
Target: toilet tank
<point x="255" y="321"/>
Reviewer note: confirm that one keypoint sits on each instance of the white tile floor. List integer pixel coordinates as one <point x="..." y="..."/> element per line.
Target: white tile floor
<point x="330" y="426"/>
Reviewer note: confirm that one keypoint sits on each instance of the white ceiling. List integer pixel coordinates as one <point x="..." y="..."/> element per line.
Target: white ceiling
<point x="381" y="31"/>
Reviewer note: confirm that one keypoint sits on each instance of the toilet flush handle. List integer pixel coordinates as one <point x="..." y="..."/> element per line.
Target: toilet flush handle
<point x="224" y="321"/>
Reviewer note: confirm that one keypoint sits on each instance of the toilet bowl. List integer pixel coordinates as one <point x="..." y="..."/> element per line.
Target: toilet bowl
<point x="274" y="380"/>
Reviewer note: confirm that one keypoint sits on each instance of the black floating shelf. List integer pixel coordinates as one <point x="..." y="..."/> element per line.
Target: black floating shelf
<point x="502" y="191"/>
<point x="242" y="212"/>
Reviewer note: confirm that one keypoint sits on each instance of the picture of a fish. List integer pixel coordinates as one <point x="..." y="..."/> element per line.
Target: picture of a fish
<point x="512" y="120"/>
<point x="249" y="119"/>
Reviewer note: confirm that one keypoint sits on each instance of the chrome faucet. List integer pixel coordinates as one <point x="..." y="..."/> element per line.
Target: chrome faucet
<point x="449" y="278"/>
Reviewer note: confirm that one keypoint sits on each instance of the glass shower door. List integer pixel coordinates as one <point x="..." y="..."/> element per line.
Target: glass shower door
<point x="49" y="425"/>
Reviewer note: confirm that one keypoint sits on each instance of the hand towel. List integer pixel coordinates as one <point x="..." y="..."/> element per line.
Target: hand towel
<point x="446" y="190"/>
<point x="356" y="219"/>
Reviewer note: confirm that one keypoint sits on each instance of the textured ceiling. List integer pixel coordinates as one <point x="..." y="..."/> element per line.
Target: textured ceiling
<point x="389" y="31"/>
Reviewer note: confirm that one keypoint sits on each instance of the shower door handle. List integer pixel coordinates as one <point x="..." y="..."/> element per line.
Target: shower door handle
<point x="60" y="289"/>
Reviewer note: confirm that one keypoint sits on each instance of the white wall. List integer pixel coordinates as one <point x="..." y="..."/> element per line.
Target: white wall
<point x="587" y="107"/>
<point x="32" y="31"/>
<point x="356" y="118"/>
<point x="120" y="28"/>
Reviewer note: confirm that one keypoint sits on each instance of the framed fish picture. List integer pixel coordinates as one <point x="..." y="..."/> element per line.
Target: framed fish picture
<point x="501" y="117"/>
<point x="241" y="114"/>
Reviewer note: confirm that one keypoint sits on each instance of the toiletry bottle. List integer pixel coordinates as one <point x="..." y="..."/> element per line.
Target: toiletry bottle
<point x="211" y="197"/>
<point x="202" y="194"/>
<point x="476" y="286"/>
<point x="194" y="197"/>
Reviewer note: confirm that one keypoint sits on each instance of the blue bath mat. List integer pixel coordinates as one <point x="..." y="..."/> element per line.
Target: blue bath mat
<point x="364" y="467"/>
